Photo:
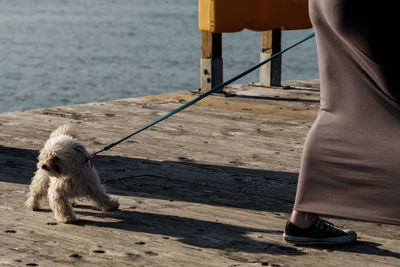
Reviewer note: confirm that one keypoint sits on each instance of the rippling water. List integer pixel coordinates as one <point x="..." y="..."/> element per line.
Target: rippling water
<point x="60" y="52"/>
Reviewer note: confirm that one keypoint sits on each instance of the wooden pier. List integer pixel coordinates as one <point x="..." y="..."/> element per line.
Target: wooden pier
<point x="211" y="186"/>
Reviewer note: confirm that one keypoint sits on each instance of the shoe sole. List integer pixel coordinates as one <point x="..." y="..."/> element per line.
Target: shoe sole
<point x="341" y="240"/>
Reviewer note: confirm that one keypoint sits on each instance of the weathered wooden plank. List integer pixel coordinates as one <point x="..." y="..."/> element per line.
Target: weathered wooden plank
<point x="287" y="93"/>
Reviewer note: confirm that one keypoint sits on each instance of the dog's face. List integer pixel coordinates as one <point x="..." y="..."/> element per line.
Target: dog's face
<point x="50" y="163"/>
<point x="62" y="156"/>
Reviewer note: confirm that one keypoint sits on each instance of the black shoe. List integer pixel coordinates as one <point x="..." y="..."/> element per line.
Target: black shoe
<point x="320" y="232"/>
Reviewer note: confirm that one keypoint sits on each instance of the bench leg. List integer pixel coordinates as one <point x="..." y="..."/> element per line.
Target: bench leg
<point x="270" y="73"/>
<point x="211" y="64"/>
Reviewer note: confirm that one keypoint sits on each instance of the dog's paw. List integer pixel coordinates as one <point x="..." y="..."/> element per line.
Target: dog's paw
<point x="72" y="221"/>
<point x="111" y="205"/>
<point x="67" y="219"/>
<point x="32" y="205"/>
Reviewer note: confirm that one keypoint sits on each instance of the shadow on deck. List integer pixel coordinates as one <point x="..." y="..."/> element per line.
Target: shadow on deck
<point x="211" y="185"/>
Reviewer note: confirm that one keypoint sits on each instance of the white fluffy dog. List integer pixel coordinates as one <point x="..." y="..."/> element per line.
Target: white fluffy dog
<point x="65" y="172"/>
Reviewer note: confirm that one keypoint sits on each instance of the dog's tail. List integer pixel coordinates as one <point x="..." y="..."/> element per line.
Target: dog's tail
<point x="63" y="129"/>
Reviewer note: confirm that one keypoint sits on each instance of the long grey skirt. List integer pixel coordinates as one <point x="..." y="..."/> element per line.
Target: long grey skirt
<point x="351" y="159"/>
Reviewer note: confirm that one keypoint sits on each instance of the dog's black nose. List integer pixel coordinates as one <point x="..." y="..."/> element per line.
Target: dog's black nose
<point x="44" y="166"/>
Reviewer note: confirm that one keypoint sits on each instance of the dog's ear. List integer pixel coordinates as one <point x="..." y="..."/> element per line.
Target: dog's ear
<point x="82" y="150"/>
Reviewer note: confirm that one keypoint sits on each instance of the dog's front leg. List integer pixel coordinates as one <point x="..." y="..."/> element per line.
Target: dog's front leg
<point x="61" y="207"/>
<point x="37" y="189"/>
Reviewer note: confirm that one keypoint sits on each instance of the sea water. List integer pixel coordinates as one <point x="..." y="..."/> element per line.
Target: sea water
<point x="62" y="52"/>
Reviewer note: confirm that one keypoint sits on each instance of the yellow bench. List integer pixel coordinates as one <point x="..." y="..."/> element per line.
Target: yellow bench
<point x="270" y="16"/>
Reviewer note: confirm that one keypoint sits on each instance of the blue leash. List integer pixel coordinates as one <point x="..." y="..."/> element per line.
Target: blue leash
<point x="215" y="89"/>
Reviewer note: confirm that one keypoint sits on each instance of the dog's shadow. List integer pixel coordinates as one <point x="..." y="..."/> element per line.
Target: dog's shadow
<point x="214" y="235"/>
<point x="194" y="232"/>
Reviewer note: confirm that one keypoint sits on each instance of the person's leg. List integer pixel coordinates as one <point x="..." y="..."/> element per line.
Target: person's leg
<point x="303" y="219"/>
